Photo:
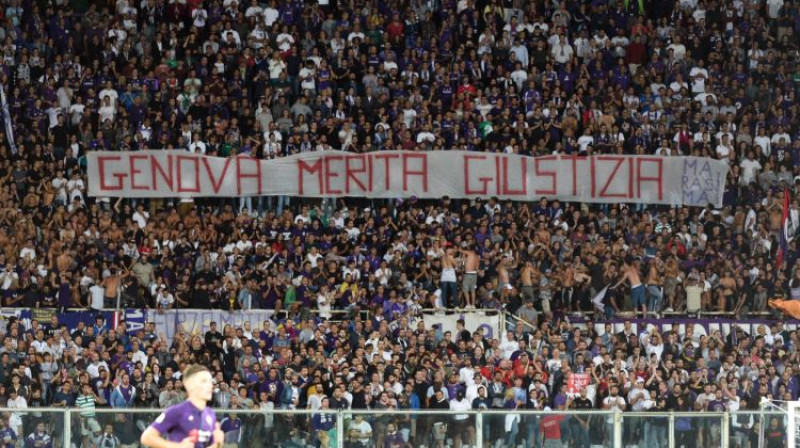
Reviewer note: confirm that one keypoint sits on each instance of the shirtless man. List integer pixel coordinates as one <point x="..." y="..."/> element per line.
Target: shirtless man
<point x="528" y="276"/>
<point x="64" y="261"/>
<point x="671" y="281"/>
<point x="655" y="290"/>
<point x="104" y="222"/>
<point x="727" y="292"/>
<point x="449" y="281"/>
<point x="543" y="233"/>
<point x="112" y="285"/>
<point x="191" y="219"/>
<point x="630" y="272"/>
<point x="469" y="283"/>
<point x="115" y="234"/>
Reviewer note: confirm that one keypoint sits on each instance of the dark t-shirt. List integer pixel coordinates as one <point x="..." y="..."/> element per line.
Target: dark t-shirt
<point x="68" y="397"/>
<point x="582" y="403"/>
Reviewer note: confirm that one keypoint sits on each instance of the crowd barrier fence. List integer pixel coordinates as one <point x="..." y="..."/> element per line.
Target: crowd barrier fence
<point x="69" y="427"/>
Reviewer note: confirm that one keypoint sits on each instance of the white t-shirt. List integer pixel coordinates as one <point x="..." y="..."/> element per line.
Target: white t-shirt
<point x="509" y="347"/>
<point x="285" y="41"/>
<point x="642" y="395"/>
<point x="699" y="83"/>
<point x="324" y="307"/>
<point x="750" y="169"/>
<point x="270" y="16"/>
<point x="76" y="112"/>
<point x="364" y="430"/>
<point x="307" y="78"/>
<point x="463" y="405"/>
<point x="94" y="370"/>
<point x="198" y="147"/>
<point x="106" y="113"/>
<point x="165" y="299"/>
<point x="679" y="50"/>
<point x="97" y="294"/>
<point x="111" y="93"/>
<point x="764" y="142"/>
<point x="774" y="8"/>
<point x="723" y="151"/>
<point x="75" y="188"/>
<point x="8" y="278"/>
<point x="199" y="17"/>
<point x="40" y="346"/>
<point x="27" y="252"/>
<point x="253" y="11"/>
<point x="616" y="404"/>
<point x="141" y="219"/>
<point x="677" y="86"/>
<point x="584" y="141"/>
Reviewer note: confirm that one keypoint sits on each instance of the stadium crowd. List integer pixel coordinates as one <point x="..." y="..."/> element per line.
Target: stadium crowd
<point x="269" y="79"/>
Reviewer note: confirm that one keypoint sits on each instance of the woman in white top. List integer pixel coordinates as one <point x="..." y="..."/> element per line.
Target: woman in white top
<point x="107" y="111"/>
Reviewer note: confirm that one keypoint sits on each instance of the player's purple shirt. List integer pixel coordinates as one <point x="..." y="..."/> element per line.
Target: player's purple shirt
<point x="178" y="422"/>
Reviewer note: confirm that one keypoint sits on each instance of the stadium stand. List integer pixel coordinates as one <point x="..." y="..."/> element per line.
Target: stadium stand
<point x="345" y="279"/>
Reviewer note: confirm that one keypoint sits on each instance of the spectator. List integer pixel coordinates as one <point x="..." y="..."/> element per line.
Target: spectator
<point x="108" y="439"/>
<point x="666" y="79"/>
<point x="232" y="427"/>
<point x="39" y="438"/>
<point x="124" y="393"/>
<point x="359" y="432"/>
<point x="7" y="434"/>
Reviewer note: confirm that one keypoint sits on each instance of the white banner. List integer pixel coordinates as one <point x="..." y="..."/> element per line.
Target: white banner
<point x="12" y="142"/>
<point x="691" y="181"/>
<point x="472" y="321"/>
<point x="197" y="322"/>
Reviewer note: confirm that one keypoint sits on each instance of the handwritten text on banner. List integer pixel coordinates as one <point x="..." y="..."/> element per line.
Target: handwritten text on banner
<point x="391" y="174"/>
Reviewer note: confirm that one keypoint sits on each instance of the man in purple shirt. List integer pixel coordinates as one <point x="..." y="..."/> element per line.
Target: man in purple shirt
<point x="190" y="424"/>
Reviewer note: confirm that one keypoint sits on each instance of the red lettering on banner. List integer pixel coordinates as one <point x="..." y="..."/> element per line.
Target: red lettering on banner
<point x="408" y="173"/>
<point x="620" y="160"/>
<point x="181" y="188"/>
<point x="371" y="173"/>
<point x="132" y="158"/>
<point x="240" y="175"/>
<point x="574" y="160"/>
<point x="329" y="173"/>
<point x="101" y="167"/>
<point x="387" y="172"/>
<point x="551" y="174"/>
<point x="507" y="191"/>
<point x="350" y="173"/>
<point x="497" y="175"/>
<point x="630" y="178"/>
<point x="467" y="188"/>
<point x="659" y="180"/>
<point x="216" y="183"/>
<point x="168" y="176"/>
<point x="596" y="178"/>
<point x="312" y="168"/>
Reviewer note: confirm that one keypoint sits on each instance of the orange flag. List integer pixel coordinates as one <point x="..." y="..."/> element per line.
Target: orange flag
<point x="790" y="307"/>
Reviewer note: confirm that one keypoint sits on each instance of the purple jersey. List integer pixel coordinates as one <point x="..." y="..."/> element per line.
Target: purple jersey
<point x="181" y="420"/>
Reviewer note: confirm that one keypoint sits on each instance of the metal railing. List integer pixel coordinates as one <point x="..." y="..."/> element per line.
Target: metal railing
<point x="336" y="315"/>
<point x="360" y="429"/>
